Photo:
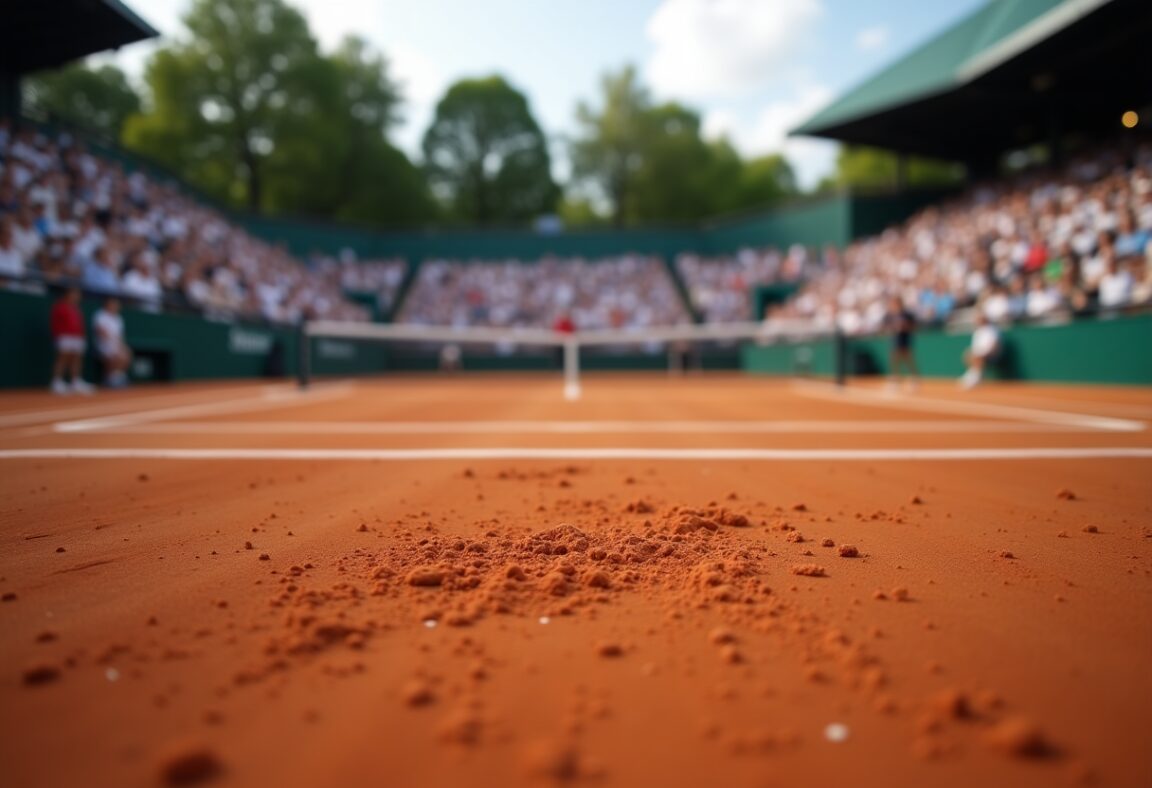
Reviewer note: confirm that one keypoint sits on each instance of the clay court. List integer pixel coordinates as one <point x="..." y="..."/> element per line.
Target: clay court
<point x="673" y="581"/>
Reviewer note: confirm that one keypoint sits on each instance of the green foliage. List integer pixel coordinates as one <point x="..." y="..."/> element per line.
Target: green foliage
<point x="682" y="178"/>
<point x="607" y="150"/>
<point x="96" y="98"/>
<point x="579" y="213"/>
<point x="333" y="157"/>
<point x="767" y="180"/>
<point x="486" y="157"/>
<point x="246" y="106"/>
<point x="249" y="109"/>
<point x="175" y="131"/>
<point x="220" y="95"/>
<point x="861" y="167"/>
<point x="652" y="164"/>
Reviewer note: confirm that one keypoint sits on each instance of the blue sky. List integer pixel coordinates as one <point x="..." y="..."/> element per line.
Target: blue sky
<point x="752" y="68"/>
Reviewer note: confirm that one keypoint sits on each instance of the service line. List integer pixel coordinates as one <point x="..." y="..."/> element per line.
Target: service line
<point x="114" y="404"/>
<point x="272" y="397"/>
<point x="898" y="401"/>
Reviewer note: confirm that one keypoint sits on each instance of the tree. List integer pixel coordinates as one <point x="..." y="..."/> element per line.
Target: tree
<point x="607" y="151"/>
<point x="332" y="156"/>
<point x="218" y="95"/>
<point x="580" y="213"/>
<point x="861" y="167"/>
<point x="486" y="156"/>
<point x="98" y="98"/>
<point x="681" y="178"/>
<point x="651" y="164"/>
<point x="765" y="181"/>
<point x="246" y="107"/>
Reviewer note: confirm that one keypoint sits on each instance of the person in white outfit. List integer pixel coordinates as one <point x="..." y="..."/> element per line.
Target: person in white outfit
<point x="984" y="348"/>
<point x="108" y="326"/>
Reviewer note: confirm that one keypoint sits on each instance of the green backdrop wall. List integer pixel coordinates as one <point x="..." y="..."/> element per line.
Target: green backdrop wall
<point x="178" y="347"/>
<point x="183" y="347"/>
<point x="186" y="347"/>
<point x="1116" y="350"/>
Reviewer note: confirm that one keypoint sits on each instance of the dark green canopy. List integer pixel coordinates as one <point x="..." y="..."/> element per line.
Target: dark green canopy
<point x="42" y="34"/>
<point x="1012" y="73"/>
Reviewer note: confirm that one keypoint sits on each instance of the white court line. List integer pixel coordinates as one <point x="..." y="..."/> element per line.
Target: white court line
<point x="903" y="402"/>
<point x="118" y="405"/>
<point x="1120" y="409"/>
<point x="578" y="427"/>
<point x="278" y="397"/>
<point x="408" y="455"/>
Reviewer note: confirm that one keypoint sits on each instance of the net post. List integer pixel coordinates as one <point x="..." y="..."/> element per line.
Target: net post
<point x="840" y="351"/>
<point x="571" y="369"/>
<point x="303" y="355"/>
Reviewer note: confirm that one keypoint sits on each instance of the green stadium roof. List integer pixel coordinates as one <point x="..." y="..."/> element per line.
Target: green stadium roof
<point x="985" y="53"/>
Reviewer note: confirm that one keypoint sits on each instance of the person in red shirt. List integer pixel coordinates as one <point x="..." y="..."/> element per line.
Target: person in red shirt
<point x="563" y="324"/>
<point x="1037" y="254"/>
<point x="68" y="335"/>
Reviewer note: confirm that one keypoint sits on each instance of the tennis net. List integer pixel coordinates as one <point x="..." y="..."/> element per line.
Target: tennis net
<point x="679" y="349"/>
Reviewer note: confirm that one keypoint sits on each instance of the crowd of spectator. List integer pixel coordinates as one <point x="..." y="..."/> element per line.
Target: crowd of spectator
<point x="624" y="292"/>
<point x="70" y="217"/>
<point x="378" y="279"/>
<point x="1044" y="246"/>
<point x="719" y="286"/>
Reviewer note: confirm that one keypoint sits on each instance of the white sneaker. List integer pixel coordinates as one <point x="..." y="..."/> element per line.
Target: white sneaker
<point x="60" y="387"/>
<point x="969" y="380"/>
<point x="80" y="387"/>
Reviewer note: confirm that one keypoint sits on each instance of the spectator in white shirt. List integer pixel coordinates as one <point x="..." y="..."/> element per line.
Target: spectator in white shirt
<point x="1043" y="299"/>
<point x="140" y="283"/>
<point x="24" y="233"/>
<point x="1115" y="286"/>
<point x="12" y="262"/>
<point x="1017" y="299"/>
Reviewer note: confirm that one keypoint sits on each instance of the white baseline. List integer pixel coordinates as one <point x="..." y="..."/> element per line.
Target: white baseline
<point x="408" y="455"/>
<point x="732" y="427"/>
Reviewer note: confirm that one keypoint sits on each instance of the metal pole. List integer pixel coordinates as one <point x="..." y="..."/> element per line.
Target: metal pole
<point x="840" y="350"/>
<point x="571" y="369"/>
<point x="303" y="356"/>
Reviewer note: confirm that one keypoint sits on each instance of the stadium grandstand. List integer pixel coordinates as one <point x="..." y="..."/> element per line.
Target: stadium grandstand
<point x="1052" y="227"/>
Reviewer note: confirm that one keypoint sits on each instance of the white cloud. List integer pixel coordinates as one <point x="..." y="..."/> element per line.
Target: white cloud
<point x="775" y="121"/>
<point x="719" y="123"/>
<point x="872" y="39"/>
<point x="766" y="132"/>
<point x="332" y="22"/>
<point x="422" y="83"/>
<point x="718" y="48"/>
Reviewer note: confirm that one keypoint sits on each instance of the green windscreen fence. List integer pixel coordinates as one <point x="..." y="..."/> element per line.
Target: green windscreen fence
<point x="1114" y="350"/>
<point x="187" y="347"/>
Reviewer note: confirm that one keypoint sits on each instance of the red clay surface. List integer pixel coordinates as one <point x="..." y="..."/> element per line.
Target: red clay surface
<point x="418" y="622"/>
